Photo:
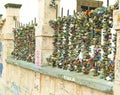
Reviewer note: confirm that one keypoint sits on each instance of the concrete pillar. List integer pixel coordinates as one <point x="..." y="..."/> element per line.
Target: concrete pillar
<point x="12" y="14"/>
<point x="116" y="26"/>
<point x="44" y="33"/>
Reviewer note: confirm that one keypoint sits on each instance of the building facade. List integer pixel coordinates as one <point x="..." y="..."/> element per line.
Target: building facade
<point x="83" y="5"/>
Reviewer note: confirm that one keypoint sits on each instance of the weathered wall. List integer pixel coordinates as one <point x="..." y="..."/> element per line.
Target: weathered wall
<point x="116" y="25"/>
<point x="17" y="80"/>
<point x="23" y="78"/>
<point x="23" y="81"/>
<point x="12" y="10"/>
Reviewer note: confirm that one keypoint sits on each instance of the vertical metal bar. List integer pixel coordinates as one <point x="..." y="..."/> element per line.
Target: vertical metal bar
<point x="32" y="22"/>
<point x="56" y="11"/>
<point x="88" y="8"/>
<point x="29" y="23"/>
<point x="107" y="3"/>
<point x="98" y="3"/>
<point x="19" y="24"/>
<point x="15" y="24"/>
<point x="61" y="12"/>
<point x="68" y="12"/>
<point x="74" y="12"/>
<point x="35" y="20"/>
<point x="23" y="25"/>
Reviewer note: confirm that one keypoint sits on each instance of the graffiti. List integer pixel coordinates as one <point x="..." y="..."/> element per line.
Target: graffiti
<point x="37" y="58"/>
<point x="15" y="89"/>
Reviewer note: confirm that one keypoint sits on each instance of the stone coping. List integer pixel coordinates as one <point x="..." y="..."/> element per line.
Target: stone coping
<point x="79" y="78"/>
<point x="12" y="5"/>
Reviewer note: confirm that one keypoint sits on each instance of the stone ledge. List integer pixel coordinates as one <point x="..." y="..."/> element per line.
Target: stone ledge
<point x="12" y="5"/>
<point x="85" y="80"/>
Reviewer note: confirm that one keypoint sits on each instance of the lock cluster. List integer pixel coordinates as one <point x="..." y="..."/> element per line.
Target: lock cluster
<point x="84" y="42"/>
<point x="24" y="44"/>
